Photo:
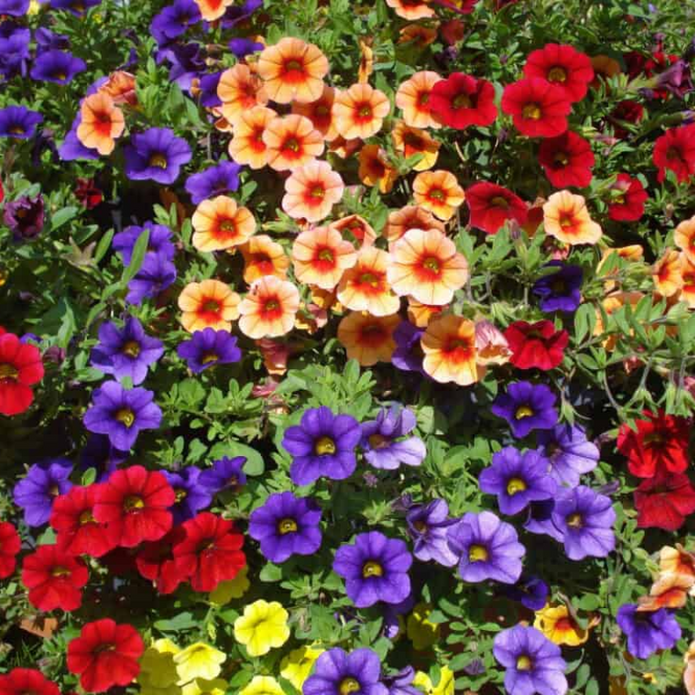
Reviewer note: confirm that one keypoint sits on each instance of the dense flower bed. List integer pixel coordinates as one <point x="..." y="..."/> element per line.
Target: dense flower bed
<point x="346" y="347"/>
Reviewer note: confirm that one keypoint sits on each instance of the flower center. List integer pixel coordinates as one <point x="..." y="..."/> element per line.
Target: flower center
<point x="293" y="66"/>
<point x="432" y="264"/>
<point x="209" y="357"/>
<point x="524" y="663"/>
<point x="349" y="685"/>
<point x="133" y="503"/>
<point x="420" y="526"/>
<point x="565" y="221"/>
<point x="60" y="572"/>
<point x="424" y="99"/>
<point x="287" y="526"/>
<point x="291" y="144"/>
<point x="364" y="111"/>
<point x="378" y="441"/>
<point x="557" y="74"/>
<point x="86" y="518"/>
<point x="522" y="412"/>
<point x="158" y="160"/>
<point x="369" y="279"/>
<point x="478" y="553"/>
<point x="437" y="194"/>
<point x="500" y="201"/>
<point x="180" y="494"/>
<point x="272" y="305"/>
<point x="318" y="192"/>
<point x="325" y="255"/>
<point x="7" y="371"/>
<point x="125" y="416"/>
<point x="532" y="112"/>
<point x="228" y="226"/>
<point x="17" y="130"/>
<point x="372" y="569"/>
<point x="211" y="305"/>
<point x="574" y="520"/>
<point x="561" y="158"/>
<point x="131" y="348"/>
<point x="515" y="485"/>
<point x="324" y="445"/>
<point x="461" y="101"/>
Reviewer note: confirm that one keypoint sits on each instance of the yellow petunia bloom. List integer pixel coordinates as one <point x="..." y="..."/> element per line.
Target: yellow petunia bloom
<point x="262" y="627"/>
<point x="421" y="632"/>
<point x="263" y="685"/>
<point x="200" y="686"/>
<point x="297" y="665"/>
<point x="556" y="623"/>
<point x="444" y="687"/>
<point x="157" y="667"/>
<point x="225" y="591"/>
<point x="199" y="660"/>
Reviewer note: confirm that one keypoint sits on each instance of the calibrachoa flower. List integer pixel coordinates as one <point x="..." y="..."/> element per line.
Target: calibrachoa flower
<point x="190" y="494"/>
<point x="409" y="142"/>
<point x="367" y="338"/>
<point x="18" y="122"/>
<point x="414" y="98"/>
<point x="20" y="368"/>
<point x="450" y="350"/>
<point x="365" y="285"/>
<point x="428" y="526"/>
<point x="461" y="101"/>
<point x="156" y="274"/>
<point x="10" y="545"/>
<point x="320" y="113"/>
<point x="101" y="123"/>
<point x="382" y="441"/>
<point x="198" y="660"/>
<point x="539" y="108"/>
<point x="25" y="217"/>
<point x="568" y="453"/>
<point x="567" y="219"/>
<point x="208" y="348"/>
<point x="491" y="206"/>
<point x="220" y="224"/>
<point x="269" y="308"/>
<point x="559" y="626"/>
<point x="311" y="191"/>
<point x="36" y="492"/>
<point x="154" y="560"/>
<point x="262" y="685"/>
<point x="56" y="66"/>
<point x="20" y="681"/>
<point x="408" y="354"/>
<point x="208" y="304"/>
<point x="291" y="141"/>
<point x="156" y="154"/>
<point x="536" y="345"/>
<point x="263" y="256"/>
<point x="337" y="672"/>
<point x="321" y="255"/>
<point x="375" y="569"/>
<point x="286" y="525"/>
<point x="262" y="627"/>
<point x="159" y="241"/>
<point x="322" y="445"/>
<point x="213" y="181"/>
<point x="14" y="8"/>
<point x="564" y="67"/>
<point x="359" y="111"/>
<point x="298" y="664"/>
<point x="567" y="160"/>
<point x="560" y="291"/>
<point x="647" y="632"/>
<point x="438" y="192"/>
<point x="627" y="199"/>
<point x="526" y="407"/>
<point x="225" y="474"/>
<point x="664" y="501"/>
<point x="675" y="151"/>
<point x="531" y="591"/>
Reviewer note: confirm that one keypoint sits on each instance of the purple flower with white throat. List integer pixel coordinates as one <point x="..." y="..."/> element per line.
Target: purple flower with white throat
<point x="569" y="453"/>
<point x="207" y="348"/>
<point x="156" y="155"/>
<point x="428" y="526"/>
<point x="385" y="443"/>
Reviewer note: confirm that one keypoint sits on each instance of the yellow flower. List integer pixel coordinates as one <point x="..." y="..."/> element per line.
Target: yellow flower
<point x="444" y="687"/>
<point x="157" y="667"/>
<point x="200" y="686"/>
<point x="34" y="7"/>
<point x="263" y="685"/>
<point x="421" y="632"/>
<point x="200" y="660"/>
<point x="296" y="666"/>
<point x="262" y="627"/>
<point x="556" y="623"/>
<point x="232" y="588"/>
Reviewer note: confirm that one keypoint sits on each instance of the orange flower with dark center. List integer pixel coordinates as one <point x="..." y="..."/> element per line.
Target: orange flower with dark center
<point x="365" y="287"/>
<point x="240" y="89"/>
<point x="360" y="111"/>
<point x="450" y="351"/>
<point x="367" y="338"/>
<point x="263" y="256"/>
<point x="291" y="141"/>
<point x="375" y="170"/>
<point x="667" y="274"/>
<point x="410" y="217"/>
<point x="566" y="218"/>
<point x="418" y="35"/>
<point x="413" y="98"/>
<point x="439" y="192"/>
<point x="311" y="191"/>
<point x="247" y="145"/>
<point x="320" y="257"/>
<point x="208" y="304"/>
<point x="269" y="309"/>
<point x="410" y="141"/>
<point x="320" y="113"/>
<point x="221" y="224"/>
<point x="101" y="123"/>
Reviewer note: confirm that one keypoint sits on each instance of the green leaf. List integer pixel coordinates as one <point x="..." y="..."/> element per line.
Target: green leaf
<point x="136" y="260"/>
<point x="63" y="216"/>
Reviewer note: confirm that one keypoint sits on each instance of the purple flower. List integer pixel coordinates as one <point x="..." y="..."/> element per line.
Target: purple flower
<point x="122" y="414"/>
<point x="375" y="569"/>
<point x="14" y="8"/>
<point x="14" y="50"/>
<point x="336" y="673"/>
<point x="98" y="453"/>
<point x="72" y="149"/>
<point x="531" y="592"/>
<point x="646" y="631"/>
<point x="488" y="548"/>
<point x="533" y="663"/>
<point x="381" y="439"/>
<point x="428" y="526"/>
<point x="37" y="491"/>
<point x="207" y="348"/>
<point x="127" y="351"/>
<point x="18" y="122"/>
<point x="47" y="39"/>
<point x="243" y="47"/>
<point x="77" y="7"/>
<point x="585" y="520"/>
<point x="159" y="241"/>
<point x="191" y="494"/>
<point x="208" y="90"/>
<point x="568" y="452"/>
<point x="540" y="520"/>
<point x="225" y="474"/>
<point x="156" y="274"/>
<point x="526" y="407"/>
<point x="25" y="217"/>
<point x="156" y="155"/>
<point x="401" y="683"/>
<point x="408" y="354"/>
<point x="214" y="181"/>
<point x="174" y="20"/>
<point x="676" y="79"/>
<point x="56" y="66"/>
<point x="517" y="479"/>
<point x="286" y="525"/>
<point x="322" y="445"/>
<point x="560" y="291"/>
<point x="187" y="63"/>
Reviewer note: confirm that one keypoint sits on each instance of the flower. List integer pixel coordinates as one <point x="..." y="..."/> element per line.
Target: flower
<point x="538" y="108"/>
<point x="25" y="217"/>
<point x="375" y="168"/>
<point x="367" y="338"/>
<point x="155" y="275"/>
<point x="647" y="632"/>
<point x="191" y="494"/>
<point x="10" y="545"/>
<point x="27" y="680"/>
<point x="157" y="155"/>
<point x="126" y="352"/>
<point x="450" y="351"/>
<point x="381" y="443"/>
<point x="101" y="123"/>
<point x="225" y="474"/>
<point x="559" y="626"/>
<point x="154" y="560"/>
<point x="413" y="97"/>
<point x="269" y="308"/>
<point x="568" y="452"/>
<point x="54" y="579"/>
<point x="322" y="445"/>
<point x="532" y="662"/>
<point x="664" y="501"/>
<point x="445" y="686"/>
<point x="461" y="101"/>
<point x="338" y="672"/>
<point x="564" y="67"/>
<point x="409" y="141"/>
<point x="230" y="589"/>
<point x="213" y="181"/>
<point x="14" y="8"/>
<point x="292" y="70"/>
<point x="320" y="256"/>
<point x="359" y="111"/>
<point x="410" y="217"/>
<point x="365" y="287"/>
<point x="567" y="219"/>
<point x="208" y="348"/>
<point x="208" y="304"/>
<point x="286" y="525"/>
<point x="122" y="414"/>
<point x="311" y="191"/>
<point x="88" y="193"/>
<point x="420" y="631"/>
<point x="536" y="344"/>
<point x="428" y="526"/>
<point x="263" y="256"/>
<point x="290" y="142"/>
<point x="241" y="91"/>
<point x="491" y="206"/>
<point x="585" y="518"/>
<point x="298" y="664"/>
<point x="18" y="122"/>
<point x="211" y="10"/>
<point x="199" y="660"/>
<point x="210" y="552"/>
<point x="684" y="238"/>
<point x="561" y="290"/>
<point x="531" y="591"/>
<point x="221" y="224"/>
<point x="628" y="198"/>
<point x="216" y="686"/>
<point x="105" y="654"/>
<point x="56" y="66"/>
<point x="262" y="685"/>
<point x="674" y="151"/>
<point x="20" y="368"/>
<point x="36" y="492"/>
<point x="526" y="407"/>
<point x="567" y="160"/>
<point x="408" y="354"/>
<point x="262" y="627"/>
<point x="320" y="112"/>
<point x="438" y="192"/>
<point x="159" y="241"/>
<point x="174" y="20"/>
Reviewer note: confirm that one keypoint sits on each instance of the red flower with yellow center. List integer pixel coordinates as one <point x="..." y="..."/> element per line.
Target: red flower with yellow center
<point x="20" y="368"/>
<point x="365" y="286"/>
<point x="539" y="108"/>
<point x="492" y="205"/>
<point x="461" y="101"/>
<point x="562" y="66"/>
<point x="367" y="338"/>
<point x="269" y="309"/>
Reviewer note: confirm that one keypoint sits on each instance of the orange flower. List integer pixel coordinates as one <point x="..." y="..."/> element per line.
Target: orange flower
<point x="667" y="274"/>
<point x="366" y="67"/>
<point x="291" y="141"/>
<point x="684" y="238"/>
<point x="491" y="344"/>
<point x="220" y="224"/>
<point x="208" y="304"/>
<point x="368" y="339"/>
<point x="311" y="191"/>
<point x="413" y="98"/>
<point x="344" y="148"/>
<point x="411" y="9"/>
<point x="320" y="113"/>
<point x="410" y="217"/>
<point x="247" y="146"/>
<point x="633" y="253"/>
<point x="357" y="227"/>
<point x="120" y="86"/>
<point x="240" y="89"/>
<point x="688" y="275"/>
<point x="669" y="591"/>
<point x="213" y="9"/>
<point x="269" y="308"/>
<point x="263" y="256"/>
<point x="320" y="257"/>
<point x="566" y="218"/>
<point x="410" y="141"/>
<point x="438" y="192"/>
<point x="426" y="265"/>
<point x="375" y="169"/>
<point x="293" y="70"/>
<point x="421" y="314"/>
<point x="101" y="123"/>
<point x="360" y="111"/>
<point x="677" y="561"/>
<point x="450" y="352"/>
<point x="420" y="36"/>
<point x="365" y="287"/>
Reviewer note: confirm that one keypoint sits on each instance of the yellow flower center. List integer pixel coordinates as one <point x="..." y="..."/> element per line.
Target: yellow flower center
<point x="325" y="255"/>
<point x="318" y="192"/>
<point x="7" y="371"/>
<point x="209" y="357"/>
<point x="291" y="65"/>
<point x="364" y="111"/>
<point x="437" y="194"/>
<point x="158" y="160"/>
<point x="478" y="553"/>
<point x="61" y="76"/>
<point x="515" y="485"/>
<point x="292" y="144"/>
<point x="349" y="685"/>
<point x="131" y="348"/>
<point x="133" y="502"/>
<point x="369" y="279"/>
<point x="324" y="445"/>
<point x="461" y="101"/>
<point x="574" y="520"/>
<point x="372" y="569"/>
<point x="522" y="412"/>
<point x="532" y="112"/>
<point x="180" y="494"/>
<point x="524" y="663"/>
<point x="211" y="305"/>
<point x="431" y="264"/>
<point x="60" y="572"/>
<point x="272" y="305"/>
<point x="125" y="416"/>
<point x="86" y="518"/>
<point x="287" y="526"/>
<point x="557" y="74"/>
<point x="17" y="130"/>
<point x="561" y="158"/>
<point x="228" y="226"/>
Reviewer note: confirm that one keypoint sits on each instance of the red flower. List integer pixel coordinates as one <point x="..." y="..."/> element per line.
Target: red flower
<point x="675" y="150"/>
<point x="567" y="160"/>
<point x="105" y="654"/>
<point x="462" y="100"/>
<point x="78" y="532"/>
<point x="562" y="66"/>
<point x="134" y="504"/>
<point x="88" y="193"/>
<point x="210" y="552"/>
<point x="54" y="579"/>
<point x="538" y="108"/>
<point x="492" y="205"/>
<point x="664" y="501"/>
<point x="155" y="561"/>
<point x="628" y="112"/>
<point x="20" y="367"/>
<point x="27" y="681"/>
<point x="536" y="344"/>
<point x="628" y="206"/>
<point x="660" y="444"/>
<point x="10" y="545"/>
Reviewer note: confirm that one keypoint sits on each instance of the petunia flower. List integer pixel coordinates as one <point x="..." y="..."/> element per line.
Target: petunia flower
<point x="311" y="191"/>
<point x="208" y="304"/>
<point x="360" y="111"/>
<point x="37" y="491"/>
<point x="414" y="98"/>
<point x="320" y="256"/>
<point x="26" y="680"/>
<point x="213" y="181"/>
<point x="560" y="627"/>
<point x="647" y="632"/>
<point x="320" y="112"/>
<point x="449" y="346"/>
<point x="538" y="108"/>
<point x="269" y="308"/>
<point x="438" y="192"/>
<point x="101" y="123"/>
<point x="561" y="290"/>
<point x="461" y="101"/>
<point x="368" y="338"/>
<point x="428" y="526"/>
<point x="198" y="660"/>
<point x="18" y="122"/>
<point x="568" y="452"/>
<point x="208" y="348"/>
<point x="491" y="206"/>
<point x="627" y="199"/>
<point x="240" y="91"/>
<point x="225" y="474"/>
<point x="536" y="345"/>
<point x="562" y="66"/>
<point x="221" y="224"/>
<point x="157" y="155"/>
<point x="10" y="545"/>
<point x="56" y="66"/>
<point x="20" y="368"/>
<point x="675" y="151"/>
<point x="262" y="627"/>
<point x="664" y="501"/>
<point x="567" y="219"/>
<point x="384" y="441"/>
<point x="364" y="286"/>
<point x="567" y="160"/>
<point x="290" y="142"/>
